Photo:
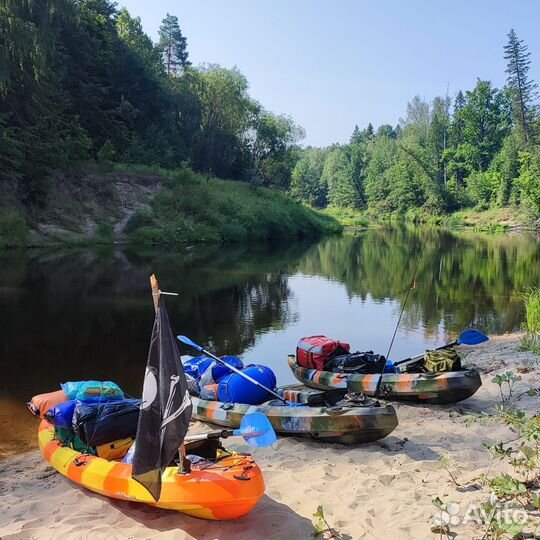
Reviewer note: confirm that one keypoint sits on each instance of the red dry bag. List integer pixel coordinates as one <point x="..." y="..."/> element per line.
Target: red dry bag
<point x="315" y="351"/>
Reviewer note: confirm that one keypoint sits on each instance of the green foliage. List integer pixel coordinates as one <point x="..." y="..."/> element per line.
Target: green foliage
<point x="506" y="486"/>
<point x="140" y="218"/>
<point x="532" y="311"/>
<point x="506" y="382"/>
<point x="130" y="31"/>
<point x="529" y="179"/>
<point x="196" y="208"/>
<point x="522" y="89"/>
<point x="321" y="526"/>
<point x="173" y="45"/>
<point x="104" y="234"/>
<point x="348" y="217"/>
<point x="81" y="80"/>
<point x="342" y="192"/>
<point x="306" y="184"/>
<point x="506" y="164"/>
<point x="504" y="513"/>
<point x="13" y="229"/>
<point x="486" y="122"/>
<point x="531" y="340"/>
<point x="436" y="161"/>
<point x="273" y="148"/>
<point x="107" y="153"/>
<point x="482" y="188"/>
<point x="383" y="155"/>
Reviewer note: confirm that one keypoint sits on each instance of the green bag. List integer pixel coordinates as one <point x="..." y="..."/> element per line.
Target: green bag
<point x="442" y="360"/>
<point x="68" y="438"/>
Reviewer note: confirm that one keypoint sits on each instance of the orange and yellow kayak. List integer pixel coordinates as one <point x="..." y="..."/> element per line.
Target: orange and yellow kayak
<point x="226" y="489"/>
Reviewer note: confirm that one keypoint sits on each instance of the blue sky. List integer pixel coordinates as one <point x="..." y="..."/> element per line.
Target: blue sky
<point x="334" y="64"/>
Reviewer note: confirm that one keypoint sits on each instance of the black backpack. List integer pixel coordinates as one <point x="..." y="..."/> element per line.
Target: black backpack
<point x="358" y="362"/>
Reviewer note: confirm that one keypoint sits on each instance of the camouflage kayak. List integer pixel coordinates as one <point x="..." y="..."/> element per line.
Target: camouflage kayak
<point x="445" y="387"/>
<point x="345" y="424"/>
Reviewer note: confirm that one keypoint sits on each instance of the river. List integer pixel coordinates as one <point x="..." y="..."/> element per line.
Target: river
<point x="79" y="314"/>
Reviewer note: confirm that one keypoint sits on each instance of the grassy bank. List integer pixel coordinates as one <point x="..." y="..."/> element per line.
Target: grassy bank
<point x="348" y="217"/>
<point x="145" y="205"/>
<point x="196" y="208"/>
<point x="492" y="220"/>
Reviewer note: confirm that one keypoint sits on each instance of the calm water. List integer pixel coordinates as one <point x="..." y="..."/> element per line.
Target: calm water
<point x="70" y="315"/>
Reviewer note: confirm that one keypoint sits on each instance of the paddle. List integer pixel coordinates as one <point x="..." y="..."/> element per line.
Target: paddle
<point x="187" y="341"/>
<point x="255" y="428"/>
<point x="467" y="337"/>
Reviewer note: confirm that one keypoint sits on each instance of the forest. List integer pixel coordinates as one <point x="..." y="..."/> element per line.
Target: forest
<point x="480" y="149"/>
<point x="82" y="82"/>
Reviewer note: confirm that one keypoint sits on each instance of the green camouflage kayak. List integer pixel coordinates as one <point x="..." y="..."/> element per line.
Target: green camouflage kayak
<point x="444" y="387"/>
<point x="339" y="422"/>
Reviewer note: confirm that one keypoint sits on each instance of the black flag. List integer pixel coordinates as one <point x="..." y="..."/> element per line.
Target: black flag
<point x="165" y="407"/>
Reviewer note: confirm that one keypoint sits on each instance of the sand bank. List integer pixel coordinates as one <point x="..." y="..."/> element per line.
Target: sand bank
<point x="382" y="490"/>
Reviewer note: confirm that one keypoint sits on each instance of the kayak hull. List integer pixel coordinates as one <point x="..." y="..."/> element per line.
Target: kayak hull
<point x="432" y="388"/>
<point x="344" y="425"/>
<point x="215" y="493"/>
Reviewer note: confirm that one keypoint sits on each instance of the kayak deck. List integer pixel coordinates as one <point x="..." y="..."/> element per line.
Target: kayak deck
<point x="226" y="490"/>
<point x="345" y="425"/>
<point x="434" y="388"/>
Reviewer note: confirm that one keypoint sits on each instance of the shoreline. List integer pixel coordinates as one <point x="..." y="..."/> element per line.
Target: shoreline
<point x="375" y="491"/>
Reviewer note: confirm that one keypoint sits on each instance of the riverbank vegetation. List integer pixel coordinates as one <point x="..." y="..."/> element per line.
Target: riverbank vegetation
<point x="127" y="203"/>
<point x="531" y="340"/>
<point x="82" y="83"/>
<point x="196" y="208"/>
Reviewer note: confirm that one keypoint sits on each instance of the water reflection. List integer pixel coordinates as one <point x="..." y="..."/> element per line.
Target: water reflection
<point x="88" y="314"/>
<point x="462" y="279"/>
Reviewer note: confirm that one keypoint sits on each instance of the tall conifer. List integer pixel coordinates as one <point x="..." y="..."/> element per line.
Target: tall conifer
<point x="522" y="88"/>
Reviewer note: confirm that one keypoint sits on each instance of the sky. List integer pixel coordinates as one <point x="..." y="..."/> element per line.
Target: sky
<point x="331" y="64"/>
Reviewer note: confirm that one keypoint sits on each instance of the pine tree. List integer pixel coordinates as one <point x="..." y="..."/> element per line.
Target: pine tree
<point x="356" y="136"/>
<point x="173" y="45"/>
<point x="370" y="132"/>
<point x="457" y="123"/>
<point x="522" y="89"/>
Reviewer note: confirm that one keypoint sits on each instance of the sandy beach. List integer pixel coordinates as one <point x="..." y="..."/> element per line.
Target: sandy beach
<point x="377" y="491"/>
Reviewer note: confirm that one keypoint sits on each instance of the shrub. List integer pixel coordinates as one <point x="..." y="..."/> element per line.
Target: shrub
<point x="104" y="234"/>
<point x="531" y="340"/>
<point x="13" y="229"/>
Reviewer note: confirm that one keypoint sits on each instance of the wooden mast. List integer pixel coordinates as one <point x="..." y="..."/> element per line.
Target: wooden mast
<point x="155" y="290"/>
<point x="184" y="465"/>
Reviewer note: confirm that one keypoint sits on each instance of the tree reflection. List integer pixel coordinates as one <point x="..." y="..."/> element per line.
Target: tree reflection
<point x="463" y="279"/>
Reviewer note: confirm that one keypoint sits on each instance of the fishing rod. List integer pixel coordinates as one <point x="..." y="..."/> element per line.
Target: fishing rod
<point x="411" y="286"/>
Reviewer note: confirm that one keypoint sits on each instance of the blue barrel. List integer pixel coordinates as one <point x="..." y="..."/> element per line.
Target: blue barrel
<point x="235" y="389"/>
<point x="219" y="371"/>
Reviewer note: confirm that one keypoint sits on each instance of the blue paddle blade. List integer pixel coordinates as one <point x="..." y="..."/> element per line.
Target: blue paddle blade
<point x="471" y="337"/>
<point x="187" y="341"/>
<point x="256" y="430"/>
